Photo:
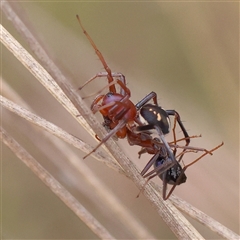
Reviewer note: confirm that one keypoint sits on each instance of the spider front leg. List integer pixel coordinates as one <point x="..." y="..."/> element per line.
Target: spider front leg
<point x="111" y="84"/>
<point x="99" y="54"/>
<point x="109" y="74"/>
<point x="121" y="124"/>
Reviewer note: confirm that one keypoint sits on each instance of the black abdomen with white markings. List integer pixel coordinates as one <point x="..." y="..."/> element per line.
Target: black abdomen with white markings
<point x="155" y="116"/>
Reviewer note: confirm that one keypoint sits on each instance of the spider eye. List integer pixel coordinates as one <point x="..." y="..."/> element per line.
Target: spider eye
<point x="109" y="94"/>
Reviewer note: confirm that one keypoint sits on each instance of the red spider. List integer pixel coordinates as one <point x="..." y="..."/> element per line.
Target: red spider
<point x="115" y="107"/>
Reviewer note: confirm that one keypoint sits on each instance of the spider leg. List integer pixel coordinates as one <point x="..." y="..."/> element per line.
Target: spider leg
<point x="120" y="125"/>
<point x="99" y="108"/>
<point x="100" y="56"/>
<point x="121" y="79"/>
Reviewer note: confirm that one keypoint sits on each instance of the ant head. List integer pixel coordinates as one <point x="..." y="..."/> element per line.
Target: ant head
<point x="154" y="115"/>
<point x="173" y="175"/>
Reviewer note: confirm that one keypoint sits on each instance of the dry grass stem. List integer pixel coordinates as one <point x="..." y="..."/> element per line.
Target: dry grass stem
<point x="53" y="129"/>
<point x="55" y="186"/>
<point x="203" y="218"/>
<point x="200" y="216"/>
<point x="43" y="76"/>
<point x="98" y="187"/>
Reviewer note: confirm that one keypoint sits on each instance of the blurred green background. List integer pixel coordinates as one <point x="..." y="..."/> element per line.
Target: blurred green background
<point x="188" y="52"/>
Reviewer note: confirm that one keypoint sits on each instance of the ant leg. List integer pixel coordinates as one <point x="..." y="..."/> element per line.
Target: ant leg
<point x="150" y="163"/>
<point x="124" y="88"/>
<point x="163" y="168"/>
<point x="142" y="151"/>
<point x="175" y="141"/>
<point x="121" y="76"/>
<point x="174" y="136"/>
<point x="185" y="168"/>
<point x="142" y="189"/>
<point x="177" y="116"/>
<point x="170" y="192"/>
<point x="161" y="136"/>
<point x="184" y="139"/>
<point x="151" y="95"/>
<point x="169" y="150"/>
<point x="164" y="189"/>
<point x="191" y="149"/>
<point x="123" y="80"/>
<point x="143" y="128"/>
<point x="204" y="154"/>
<point x="160" y="169"/>
<point x="172" y="145"/>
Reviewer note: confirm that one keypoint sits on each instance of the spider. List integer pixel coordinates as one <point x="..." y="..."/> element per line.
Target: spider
<point x="115" y="107"/>
<point x="121" y="115"/>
